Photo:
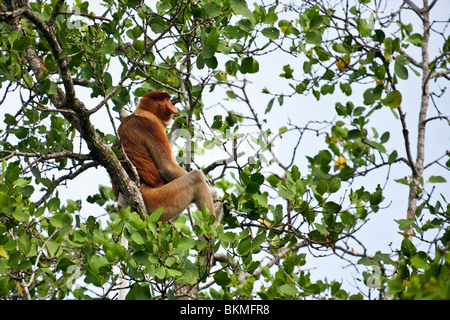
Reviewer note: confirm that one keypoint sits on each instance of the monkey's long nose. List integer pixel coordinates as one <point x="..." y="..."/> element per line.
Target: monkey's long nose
<point x="172" y="109"/>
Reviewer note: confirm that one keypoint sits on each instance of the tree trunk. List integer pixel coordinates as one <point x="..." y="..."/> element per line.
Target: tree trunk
<point x="74" y="110"/>
<point x="418" y="166"/>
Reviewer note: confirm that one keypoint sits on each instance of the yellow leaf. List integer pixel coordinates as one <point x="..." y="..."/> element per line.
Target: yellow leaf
<point x="341" y="162"/>
<point x="286" y="30"/>
<point x="343" y="62"/>
<point x="3" y="253"/>
<point x="264" y="222"/>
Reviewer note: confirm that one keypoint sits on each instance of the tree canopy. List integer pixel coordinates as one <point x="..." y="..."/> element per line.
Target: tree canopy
<point x="322" y="124"/>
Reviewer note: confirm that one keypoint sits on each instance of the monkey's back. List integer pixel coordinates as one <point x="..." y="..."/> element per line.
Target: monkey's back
<point x="137" y="135"/>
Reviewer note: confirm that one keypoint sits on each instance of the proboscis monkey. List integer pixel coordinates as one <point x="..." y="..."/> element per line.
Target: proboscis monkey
<point x="164" y="183"/>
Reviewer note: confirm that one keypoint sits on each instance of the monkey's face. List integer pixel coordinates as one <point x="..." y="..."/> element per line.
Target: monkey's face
<point x="165" y="109"/>
<point x="159" y="104"/>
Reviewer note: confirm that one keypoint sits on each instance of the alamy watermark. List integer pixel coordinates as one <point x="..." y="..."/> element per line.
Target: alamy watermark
<point x="374" y="280"/>
<point x="221" y="148"/>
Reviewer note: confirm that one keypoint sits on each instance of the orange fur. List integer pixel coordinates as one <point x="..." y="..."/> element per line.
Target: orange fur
<point x="163" y="182"/>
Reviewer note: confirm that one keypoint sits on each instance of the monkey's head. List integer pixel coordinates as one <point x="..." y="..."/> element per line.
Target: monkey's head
<point x="158" y="103"/>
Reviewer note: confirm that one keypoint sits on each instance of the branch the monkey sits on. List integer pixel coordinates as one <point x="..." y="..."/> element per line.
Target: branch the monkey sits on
<point x="164" y="183"/>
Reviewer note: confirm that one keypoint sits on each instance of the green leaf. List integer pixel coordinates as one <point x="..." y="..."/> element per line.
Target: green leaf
<point x="21" y="214"/>
<point x="436" y="179"/>
<point x="418" y="262"/>
<point x="376" y="197"/>
<point x="379" y="35"/>
<point x="252" y="188"/>
<point x="12" y="173"/>
<point x="208" y="52"/>
<point x="271" y="16"/>
<point x="377" y="146"/>
<point x="244" y="246"/>
<point x="393" y="156"/>
<point x="345" y="88"/>
<point x="354" y="134"/>
<point x="139" y="292"/>
<point x="249" y="65"/>
<point x="10" y="120"/>
<point x="158" y="25"/>
<point x="21" y="43"/>
<point x="314" y="37"/>
<point x="372" y="94"/>
<point x="232" y="32"/>
<point x="211" y="62"/>
<point x="134" y="33"/>
<point x="108" y="47"/>
<point x="160" y="272"/>
<point x="231" y="68"/>
<point x="186" y="243"/>
<point x="400" y="70"/>
<point x="240" y="7"/>
<point x="245" y="25"/>
<point x="321" y="187"/>
<point x="385" y="137"/>
<point x="53" y="248"/>
<point x="258" y="240"/>
<point x="271" y="33"/>
<point x="327" y="89"/>
<point x="288" y="289"/>
<point x="139" y="238"/>
<point x="4" y="286"/>
<point x="53" y="204"/>
<point x="403" y="224"/>
<point x="257" y="178"/>
<point x="221" y="278"/>
<point x="154" y="216"/>
<point x="212" y="10"/>
<point x="316" y="21"/>
<point x="396" y="285"/>
<point x="61" y="221"/>
<point x="4" y="200"/>
<point x="416" y="39"/>
<point x="334" y="185"/>
<point x="407" y="247"/>
<point x="174" y="273"/>
<point x="402" y="181"/>
<point x="14" y="259"/>
<point x="269" y="105"/>
<point x="366" y="261"/>
<point x="332" y="207"/>
<point x="363" y="27"/>
<point x="228" y="236"/>
<point x="393" y="99"/>
<point x="323" y="230"/>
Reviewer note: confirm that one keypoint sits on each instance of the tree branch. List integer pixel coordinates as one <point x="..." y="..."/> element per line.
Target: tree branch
<point x="47" y="156"/>
<point x="55" y="12"/>
<point x="138" y="61"/>
<point x="67" y="100"/>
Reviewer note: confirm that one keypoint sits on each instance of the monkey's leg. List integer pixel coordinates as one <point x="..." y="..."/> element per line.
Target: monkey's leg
<point x="176" y="195"/>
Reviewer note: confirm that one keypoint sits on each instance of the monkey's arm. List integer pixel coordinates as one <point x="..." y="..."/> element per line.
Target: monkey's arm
<point x="158" y="147"/>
